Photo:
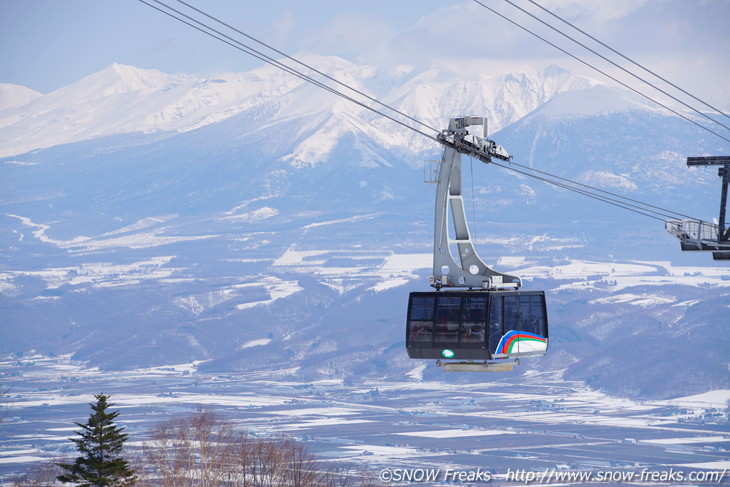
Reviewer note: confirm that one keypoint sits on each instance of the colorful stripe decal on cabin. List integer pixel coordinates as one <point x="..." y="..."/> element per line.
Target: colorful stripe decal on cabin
<point x="521" y="342"/>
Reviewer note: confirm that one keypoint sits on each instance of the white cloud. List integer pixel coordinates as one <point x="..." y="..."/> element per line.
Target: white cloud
<point x="350" y="36"/>
<point x="281" y="28"/>
<point x="686" y="46"/>
<point x="591" y="10"/>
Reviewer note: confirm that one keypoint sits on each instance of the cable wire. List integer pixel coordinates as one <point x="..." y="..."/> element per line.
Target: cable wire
<point x="308" y="66"/>
<point x="267" y="59"/>
<point x="602" y="72"/>
<point x="629" y="59"/>
<point x="601" y="190"/>
<point x="615" y="200"/>
<point x="616" y="65"/>
<point x="610" y="201"/>
<point x="640" y="207"/>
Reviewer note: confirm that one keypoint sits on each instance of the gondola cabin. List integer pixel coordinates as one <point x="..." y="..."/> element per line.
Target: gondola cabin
<point x="476" y="325"/>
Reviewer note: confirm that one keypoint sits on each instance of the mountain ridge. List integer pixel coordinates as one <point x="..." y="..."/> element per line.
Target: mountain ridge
<point x="124" y="99"/>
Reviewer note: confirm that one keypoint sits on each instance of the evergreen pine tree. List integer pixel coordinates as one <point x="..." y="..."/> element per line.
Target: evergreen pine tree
<point x="100" y="445"/>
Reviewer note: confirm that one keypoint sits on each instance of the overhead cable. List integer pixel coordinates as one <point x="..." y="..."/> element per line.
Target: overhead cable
<point x="617" y="65"/>
<point x="626" y="206"/>
<point x="359" y="92"/>
<point x="615" y="200"/>
<point x="210" y="31"/>
<point x="598" y="189"/>
<point x="602" y="72"/>
<point x="630" y="60"/>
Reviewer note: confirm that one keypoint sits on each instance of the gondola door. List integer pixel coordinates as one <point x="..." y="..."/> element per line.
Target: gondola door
<point x="518" y="325"/>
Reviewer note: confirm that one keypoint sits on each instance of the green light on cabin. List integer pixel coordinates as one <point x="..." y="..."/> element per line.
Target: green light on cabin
<point x="447" y="353"/>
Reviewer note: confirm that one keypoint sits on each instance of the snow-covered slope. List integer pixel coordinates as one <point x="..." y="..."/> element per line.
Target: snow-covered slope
<point x="255" y="222"/>
<point x="118" y="99"/>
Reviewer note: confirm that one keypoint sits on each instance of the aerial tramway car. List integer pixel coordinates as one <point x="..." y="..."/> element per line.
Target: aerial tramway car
<point x="477" y="317"/>
<point x="476" y="325"/>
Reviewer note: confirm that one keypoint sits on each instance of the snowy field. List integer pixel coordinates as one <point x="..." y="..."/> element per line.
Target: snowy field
<point x="383" y="270"/>
<point x="534" y="422"/>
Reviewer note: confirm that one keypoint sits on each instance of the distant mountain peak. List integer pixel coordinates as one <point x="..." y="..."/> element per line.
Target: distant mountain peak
<point x="554" y="70"/>
<point x="593" y="101"/>
<point x="121" y="78"/>
<point x="12" y="96"/>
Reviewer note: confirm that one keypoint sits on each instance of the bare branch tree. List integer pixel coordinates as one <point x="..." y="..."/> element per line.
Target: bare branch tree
<point x="204" y="450"/>
<point x="193" y="451"/>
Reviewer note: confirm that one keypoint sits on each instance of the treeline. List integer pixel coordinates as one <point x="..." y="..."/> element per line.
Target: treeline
<point x="203" y="450"/>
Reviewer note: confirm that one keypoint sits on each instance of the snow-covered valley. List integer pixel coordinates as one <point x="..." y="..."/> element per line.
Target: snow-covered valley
<point x="539" y="423"/>
<point x="246" y="243"/>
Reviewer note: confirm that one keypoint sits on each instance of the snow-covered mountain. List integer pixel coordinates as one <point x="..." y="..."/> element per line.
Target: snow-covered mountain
<point x="252" y="221"/>
<point x="123" y="99"/>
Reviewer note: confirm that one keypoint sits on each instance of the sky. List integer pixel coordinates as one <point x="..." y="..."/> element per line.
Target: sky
<point x="47" y="44"/>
